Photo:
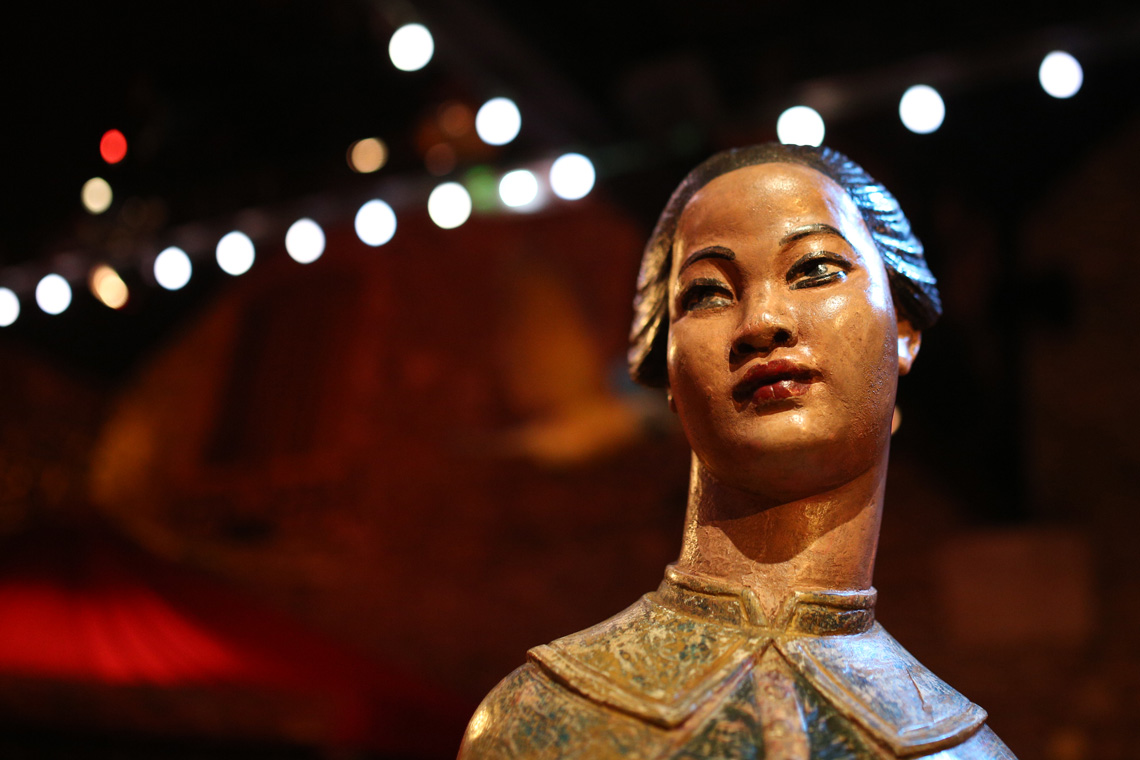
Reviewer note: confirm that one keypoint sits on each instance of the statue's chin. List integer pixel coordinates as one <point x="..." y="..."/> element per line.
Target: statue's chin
<point x="779" y="472"/>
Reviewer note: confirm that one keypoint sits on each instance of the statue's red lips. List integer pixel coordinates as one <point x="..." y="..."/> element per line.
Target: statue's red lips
<point x="774" y="381"/>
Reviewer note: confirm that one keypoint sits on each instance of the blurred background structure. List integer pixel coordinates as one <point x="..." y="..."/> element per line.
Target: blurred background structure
<point x="313" y="410"/>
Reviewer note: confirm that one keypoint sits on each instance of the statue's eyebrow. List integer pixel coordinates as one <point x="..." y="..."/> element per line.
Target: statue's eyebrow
<point x="710" y="252"/>
<point x="812" y="229"/>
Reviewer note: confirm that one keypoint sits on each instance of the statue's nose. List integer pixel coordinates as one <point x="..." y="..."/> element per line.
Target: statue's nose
<point x="767" y="326"/>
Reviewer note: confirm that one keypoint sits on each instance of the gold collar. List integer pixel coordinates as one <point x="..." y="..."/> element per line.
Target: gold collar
<point x="806" y="613"/>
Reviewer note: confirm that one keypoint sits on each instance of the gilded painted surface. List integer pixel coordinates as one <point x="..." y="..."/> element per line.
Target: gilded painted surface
<point x="695" y="670"/>
<point x="780" y="299"/>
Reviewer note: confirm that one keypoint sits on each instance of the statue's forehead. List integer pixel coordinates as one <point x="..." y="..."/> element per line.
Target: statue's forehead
<point x="772" y="196"/>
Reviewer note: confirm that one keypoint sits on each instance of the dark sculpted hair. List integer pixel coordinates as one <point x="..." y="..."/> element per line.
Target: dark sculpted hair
<point x="913" y="286"/>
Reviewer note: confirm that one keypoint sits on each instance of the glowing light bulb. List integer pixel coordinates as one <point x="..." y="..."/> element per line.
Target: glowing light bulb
<point x="106" y="285"/>
<point x="518" y="188"/>
<point x="498" y="121"/>
<point x="572" y="176"/>
<point x="375" y="223"/>
<point x="96" y="195"/>
<point x="113" y="146"/>
<point x="367" y="155"/>
<point x="9" y="307"/>
<point x="53" y="294"/>
<point x="921" y="109"/>
<point x="449" y="205"/>
<point x="305" y="241"/>
<point x="411" y="47"/>
<point x="1060" y="74"/>
<point x="235" y="253"/>
<point x="172" y="268"/>
<point x="800" y="125"/>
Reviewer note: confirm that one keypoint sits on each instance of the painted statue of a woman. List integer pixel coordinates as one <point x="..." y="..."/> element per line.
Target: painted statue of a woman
<point x="780" y="298"/>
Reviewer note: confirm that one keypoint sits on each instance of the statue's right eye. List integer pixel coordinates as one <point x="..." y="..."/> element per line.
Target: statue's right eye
<point x="705" y="294"/>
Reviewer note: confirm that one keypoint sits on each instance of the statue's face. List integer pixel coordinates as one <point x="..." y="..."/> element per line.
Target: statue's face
<point x="784" y="347"/>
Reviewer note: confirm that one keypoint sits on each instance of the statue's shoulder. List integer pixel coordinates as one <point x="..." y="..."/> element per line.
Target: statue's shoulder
<point x="612" y="690"/>
<point x="650" y="661"/>
<point x="530" y="716"/>
<point x="626" y="687"/>
<point x="872" y="680"/>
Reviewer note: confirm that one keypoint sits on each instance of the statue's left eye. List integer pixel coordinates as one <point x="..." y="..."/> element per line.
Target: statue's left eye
<point x="818" y="269"/>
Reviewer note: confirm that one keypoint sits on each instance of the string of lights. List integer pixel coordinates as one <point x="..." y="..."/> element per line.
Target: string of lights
<point x="568" y="177"/>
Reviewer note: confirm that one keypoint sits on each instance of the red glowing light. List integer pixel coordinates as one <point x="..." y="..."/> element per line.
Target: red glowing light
<point x="113" y="146"/>
<point x="92" y="609"/>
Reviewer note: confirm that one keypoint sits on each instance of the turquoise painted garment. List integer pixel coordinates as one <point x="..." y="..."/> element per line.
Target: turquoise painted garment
<point x="695" y="670"/>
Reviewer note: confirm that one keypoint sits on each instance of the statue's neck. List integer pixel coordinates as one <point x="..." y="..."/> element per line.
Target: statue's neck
<point x="776" y="547"/>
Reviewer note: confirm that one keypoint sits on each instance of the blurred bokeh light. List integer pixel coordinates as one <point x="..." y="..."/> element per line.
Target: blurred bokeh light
<point x="235" y="253"/>
<point x="449" y="205"/>
<point x="53" y="294"/>
<point x="572" y="176"/>
<point x="9" y="307"/>
<point x="305" y="241"/>
<point x="106" y="285"/>
<point x="440" y="159"/>
<point x="375" y="223"/>
<point x="455" y="119"/>
<point x="113" y="146"/>
<point x="518" y="188"/>
<point x="1060" y="74"/>
<point x="367" y="155"/>
<point x="921" y="109"/>
<point x="411" y="47"/>
<point x="172" y="268"/>
<point x="96" y="195"/>
<point x="800" y="125"/>
<point x="498" y="121"/>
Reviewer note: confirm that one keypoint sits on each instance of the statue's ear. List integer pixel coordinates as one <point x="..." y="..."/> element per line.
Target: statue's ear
<point x="909" y="341"/>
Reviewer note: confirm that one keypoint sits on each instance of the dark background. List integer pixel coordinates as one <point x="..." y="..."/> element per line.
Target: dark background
<point x="319" y="510"/>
